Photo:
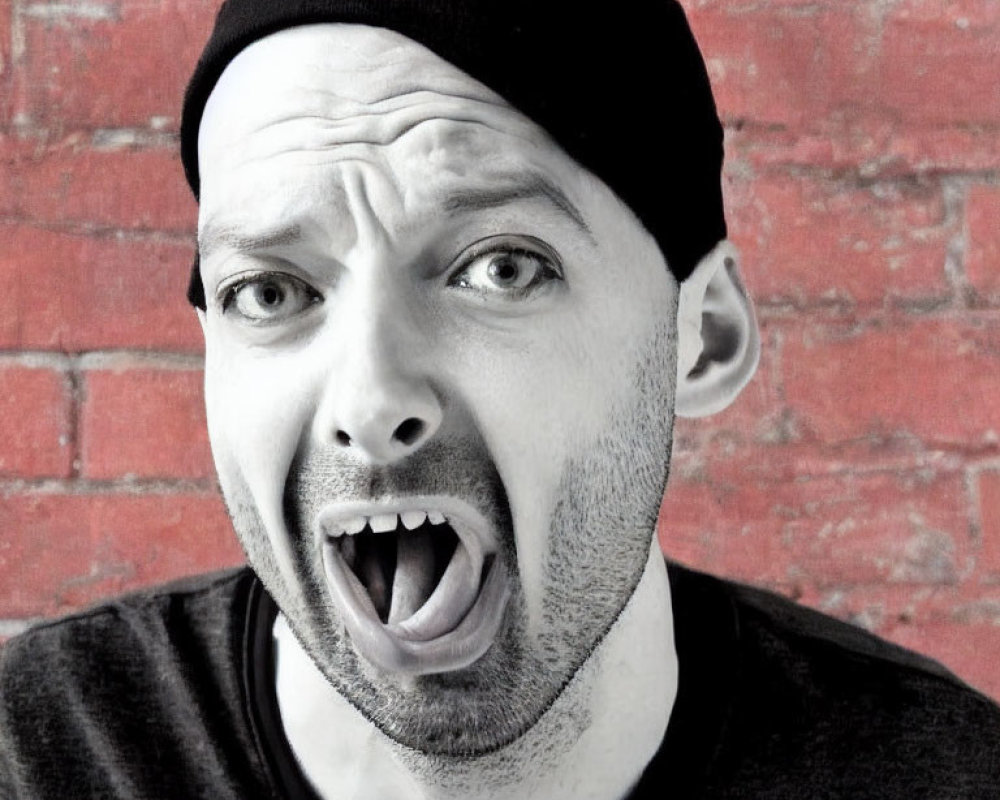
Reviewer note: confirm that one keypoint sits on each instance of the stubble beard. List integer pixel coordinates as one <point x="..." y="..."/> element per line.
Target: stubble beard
<point x="598" y="545"/>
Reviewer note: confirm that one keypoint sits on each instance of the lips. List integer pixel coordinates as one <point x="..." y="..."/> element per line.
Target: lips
<point x="419" y="582"/>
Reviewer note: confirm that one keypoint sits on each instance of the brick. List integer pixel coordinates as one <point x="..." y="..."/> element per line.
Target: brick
<point x="76" y="292"/>
<point x="988" y="491"/>
<point x="871" y="148"/>
<point x="944" y="149"/>
<point x="876" y="607"/>
<point x="112" y="64"/>
<point x="918" y="618"/>
<point x="144" y="423"/>
<point x="937" y="62"/>
<point x="727" y="458"/>
<point x="808" y="242"/>
<point x="785" y="65"/>
<point x="982" y="243"/>
<point x="61" y="552"/>
<point x="971" y="651"/>
<point x="35" y="429"/>
<point x="823" y="67"/>
<point x="758" y="439"/>
<point x="932" y="378"/>
<point x="830" y="531"/>
<point x="882" y="607"/>
<point x="69" y="183"/>
<point x="940" y="622"/>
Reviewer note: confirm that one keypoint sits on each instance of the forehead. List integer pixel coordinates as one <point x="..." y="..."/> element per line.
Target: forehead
<point x="320" y="95"/>
<point x="345" y="132"/>
<point x="333" y="65"/>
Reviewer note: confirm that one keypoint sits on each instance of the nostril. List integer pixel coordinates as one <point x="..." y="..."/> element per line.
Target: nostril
<point x="409" y="431"/>
<point x="343" y="439"/>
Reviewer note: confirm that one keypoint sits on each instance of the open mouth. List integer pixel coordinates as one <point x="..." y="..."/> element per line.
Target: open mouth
<point x="419" y="582"/>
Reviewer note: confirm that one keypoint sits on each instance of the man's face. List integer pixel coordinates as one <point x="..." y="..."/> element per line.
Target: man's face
<point x="419" y="308"/>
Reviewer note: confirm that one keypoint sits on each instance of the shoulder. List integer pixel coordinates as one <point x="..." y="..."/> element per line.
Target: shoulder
<point x="96" y="692"/>
<point x="126" y="625"/>
<point x="125" y="638"/>
<point x="833" y="705"/>
<point x="772" y="628"/>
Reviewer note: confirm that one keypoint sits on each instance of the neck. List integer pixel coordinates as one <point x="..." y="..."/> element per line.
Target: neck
<point x="592" y="744"/>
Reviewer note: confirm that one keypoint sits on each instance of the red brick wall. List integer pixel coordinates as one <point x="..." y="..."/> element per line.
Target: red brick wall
<point x="859" y="473"/>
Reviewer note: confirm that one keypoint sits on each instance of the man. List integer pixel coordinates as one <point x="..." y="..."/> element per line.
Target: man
<point x="451" y="302"/>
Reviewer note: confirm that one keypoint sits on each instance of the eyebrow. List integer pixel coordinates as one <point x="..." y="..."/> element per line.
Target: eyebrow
<point x="214" y="234"/>
<point x="529" y="186"/>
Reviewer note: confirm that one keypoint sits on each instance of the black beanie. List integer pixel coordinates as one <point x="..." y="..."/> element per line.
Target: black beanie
<point x="622" y="88"/>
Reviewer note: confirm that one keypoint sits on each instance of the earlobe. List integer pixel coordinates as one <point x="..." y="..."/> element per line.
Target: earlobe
<point x="718" y="342"/>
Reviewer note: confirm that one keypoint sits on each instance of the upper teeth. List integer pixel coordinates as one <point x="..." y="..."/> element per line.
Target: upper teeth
<point x="413" y="519"/>
<point x="380" y="523"/>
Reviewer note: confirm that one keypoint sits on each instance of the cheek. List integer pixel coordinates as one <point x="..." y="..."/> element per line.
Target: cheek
<point x="541" y="401"/>
<point x="554" y="393"/>
<point x="257" y="408"/>
<point x="534" y="394"/>
<point x="251" y="405"/>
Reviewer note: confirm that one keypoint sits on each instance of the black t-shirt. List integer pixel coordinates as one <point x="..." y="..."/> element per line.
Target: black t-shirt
<point x="169" y="694"/>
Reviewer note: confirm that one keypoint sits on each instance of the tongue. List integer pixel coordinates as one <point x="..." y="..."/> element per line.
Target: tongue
<point x="414" y="579"/>
<point x="450" y="602"/>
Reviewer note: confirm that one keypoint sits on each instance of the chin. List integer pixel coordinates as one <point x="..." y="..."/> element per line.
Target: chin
<point x="461" y="713"/>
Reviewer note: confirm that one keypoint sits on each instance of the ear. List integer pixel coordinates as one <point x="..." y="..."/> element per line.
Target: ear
<point x="718" y="344"/>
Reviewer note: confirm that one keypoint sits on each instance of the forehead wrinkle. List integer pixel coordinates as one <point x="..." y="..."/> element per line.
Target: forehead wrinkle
<point x="368" y="224"/>
<point x="329" y="104"/>
<point x="411" y="95"/>
<point x="369" y="128"/>
<point x="327" y="115"/>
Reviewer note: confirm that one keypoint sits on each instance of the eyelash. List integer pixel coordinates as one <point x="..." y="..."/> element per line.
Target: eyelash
<point x="515" y="245"/>
<point x="227" y="293"/>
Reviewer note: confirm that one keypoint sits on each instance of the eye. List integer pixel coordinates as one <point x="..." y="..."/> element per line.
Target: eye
<point x="508" y="267"/>
<point x="268" y="297"/>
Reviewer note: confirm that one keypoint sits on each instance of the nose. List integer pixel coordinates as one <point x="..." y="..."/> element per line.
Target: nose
<point x="390" y="420"/>
<point x="379" y="402"/>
